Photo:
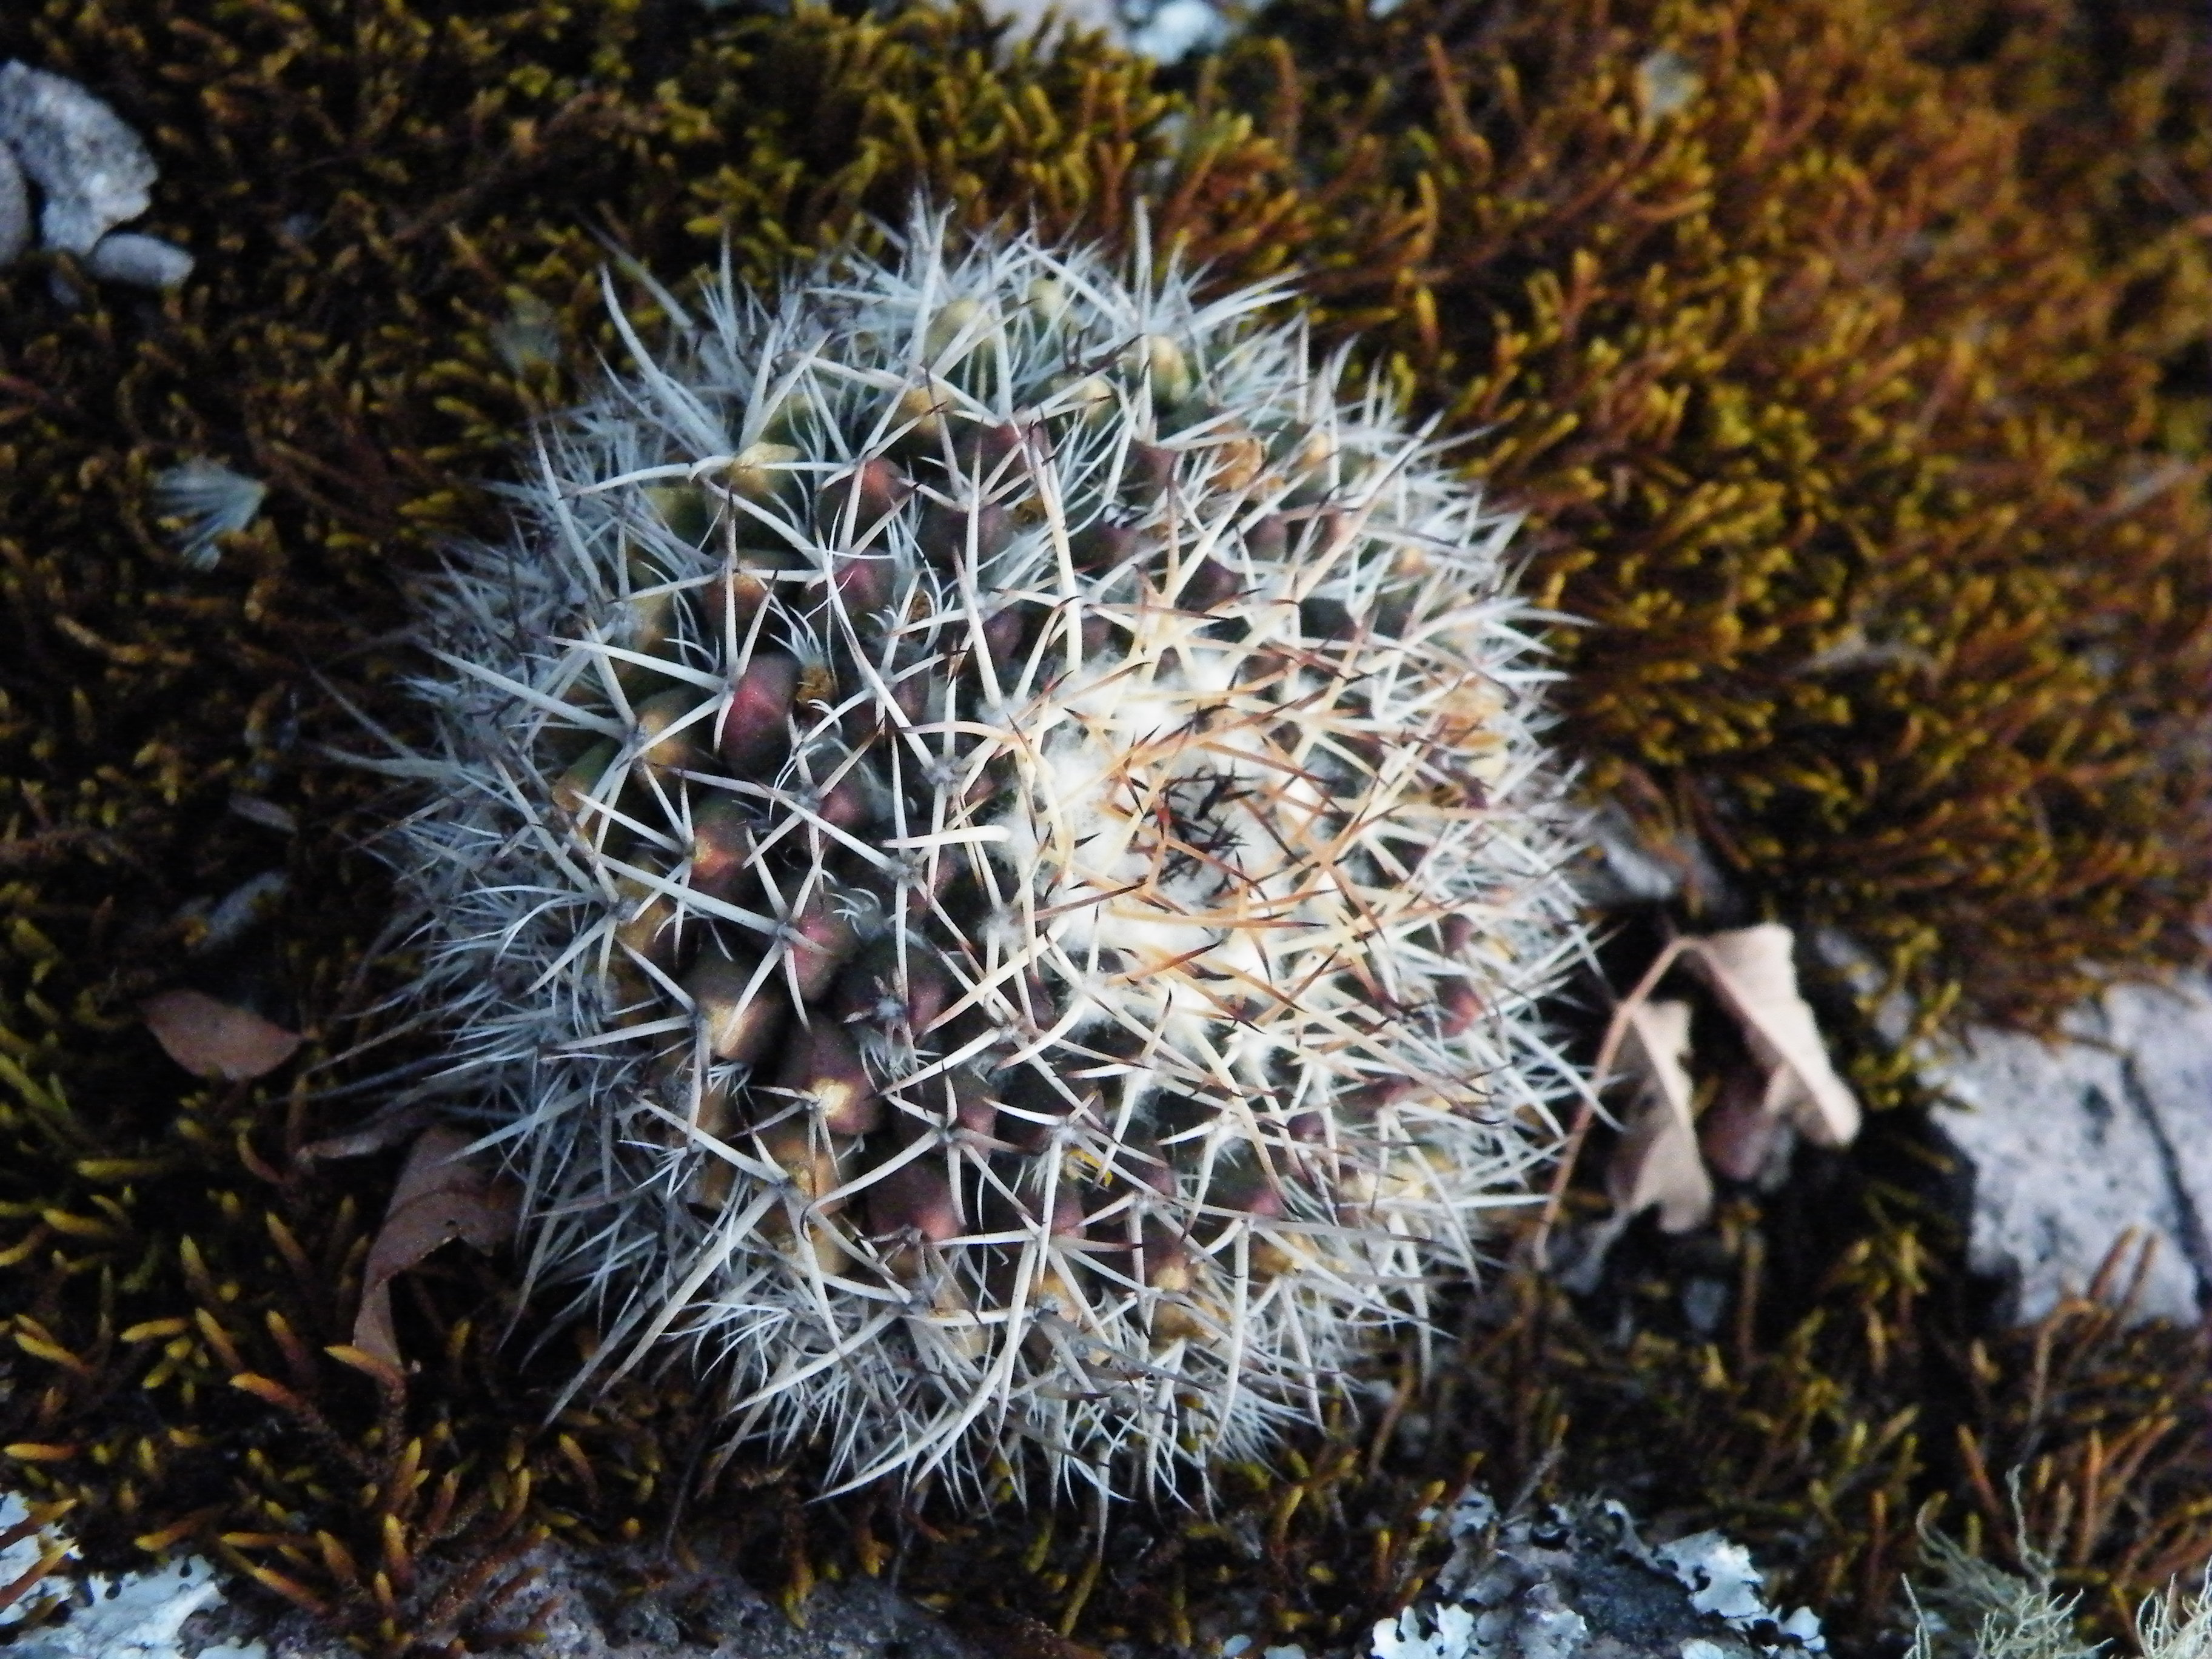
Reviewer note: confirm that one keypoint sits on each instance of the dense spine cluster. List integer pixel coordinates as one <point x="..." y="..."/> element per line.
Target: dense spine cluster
<point x="990" y="860"/>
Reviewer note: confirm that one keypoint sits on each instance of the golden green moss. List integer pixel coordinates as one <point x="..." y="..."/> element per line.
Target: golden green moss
<point x="1859" y="405"/>
<point x="1854" y="405"/>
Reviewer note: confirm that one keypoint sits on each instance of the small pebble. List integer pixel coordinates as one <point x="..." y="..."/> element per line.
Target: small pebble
<point x="1705" y="1304"/>
<point x="14" y="210"/>
<point x="241" y="910"/>
<point x="124" y="256"/>
<point x="94" y="170"/>
<point x="1177" y="28"/>
<point x="1667" y="82"/>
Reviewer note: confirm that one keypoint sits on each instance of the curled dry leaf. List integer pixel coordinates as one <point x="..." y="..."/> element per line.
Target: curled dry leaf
<point x="1736" y="1132"/>
<point x="386" y="1129"/>
<point x="1752" y="974"/>
<point x="441" y="1195"/>
<point x="216" y="1039"/>
<point x="1657" y="1161"/>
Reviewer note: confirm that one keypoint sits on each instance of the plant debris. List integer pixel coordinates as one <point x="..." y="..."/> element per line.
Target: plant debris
<point x="1787" y="1077"/>
<point x="442" y="1195"/>
<point x="212" y="1038"/>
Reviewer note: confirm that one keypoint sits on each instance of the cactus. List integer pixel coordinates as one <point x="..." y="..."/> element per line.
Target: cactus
<point x="989" y="860"/>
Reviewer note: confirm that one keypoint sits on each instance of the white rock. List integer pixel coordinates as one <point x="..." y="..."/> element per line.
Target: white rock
<point x="2166" y="1031"/>
<point x="124" y="256"/>
<point x="14" y="210"/>
<point x="1045" y="20"/>
<point x="140" y="1615"/>
<point x="94" y="170"/>
<point x="1178" y="27"/>
<point x="2077" y="1142"/>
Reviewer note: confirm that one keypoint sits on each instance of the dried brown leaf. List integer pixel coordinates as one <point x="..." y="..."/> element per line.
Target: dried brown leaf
<point x="441" y="1195"/>
<point x="1736" y="1132"/>
<point x="1753" y="973"/>
<point x="214" y="1039"/>
<point x="1656" y="1161"/>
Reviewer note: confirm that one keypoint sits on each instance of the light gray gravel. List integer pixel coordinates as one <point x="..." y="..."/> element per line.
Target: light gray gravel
<point x="589" y="1609"/>
<point x="124" y="256"/>
<point x="93" y="171"/>
<point x="2078" y="1144"/>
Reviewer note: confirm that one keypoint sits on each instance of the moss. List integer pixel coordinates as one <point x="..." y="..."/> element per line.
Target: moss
<point x="1858" y="402"/>
<point x="1850" y="1392"/>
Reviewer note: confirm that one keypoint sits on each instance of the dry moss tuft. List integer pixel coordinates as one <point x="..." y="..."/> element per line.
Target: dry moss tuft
<point x="1850" y="359"/>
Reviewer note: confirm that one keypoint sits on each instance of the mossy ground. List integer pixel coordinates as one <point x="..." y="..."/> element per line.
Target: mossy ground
<point x="1860" y="405"/>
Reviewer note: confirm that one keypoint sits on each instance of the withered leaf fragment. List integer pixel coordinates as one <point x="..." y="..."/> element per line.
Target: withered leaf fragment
<point x="1753" y="977"/>
<point x="441" y="1195"/>
<point x="216" y="1039"/>
<point x="1656" y="1161"/>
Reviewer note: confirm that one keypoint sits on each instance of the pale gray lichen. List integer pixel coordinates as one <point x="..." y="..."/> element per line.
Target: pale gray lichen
<point x="73" y="1614"/>
<point x="204" y="501"/>
<point x="1575" y="1579"/>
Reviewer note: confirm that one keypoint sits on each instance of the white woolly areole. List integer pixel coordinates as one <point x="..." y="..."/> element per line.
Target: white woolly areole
<point x="990" y="863"/>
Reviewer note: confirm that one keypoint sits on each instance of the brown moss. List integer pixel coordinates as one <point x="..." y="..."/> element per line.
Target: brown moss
<point x="2104" y="1424"/>
<point x="1845" y="1398"/>
<point x="1849" y="1395"/>
<point x="1853" y="405"/>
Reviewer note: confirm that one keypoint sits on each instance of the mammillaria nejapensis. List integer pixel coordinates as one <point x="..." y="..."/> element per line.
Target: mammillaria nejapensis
<point x="991" y="861"/>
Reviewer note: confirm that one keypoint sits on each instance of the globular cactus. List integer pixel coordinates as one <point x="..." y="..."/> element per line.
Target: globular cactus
<point x="990" y="862"/>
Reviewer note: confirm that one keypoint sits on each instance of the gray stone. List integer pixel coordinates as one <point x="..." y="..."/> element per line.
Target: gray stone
<point x="623" y="1607"/>
<point x="124" y="256"/>
<point x="1574" y="1580"/>
<point x="92" y="169"/>
<point x="2078" y="1144"/>
<point x="14" y="210"/>
<point x="1177" y="28"/>
<point x="1627" y="863"/>
<point x="1046" y="20"/>
<point x="1667" y="82"/>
